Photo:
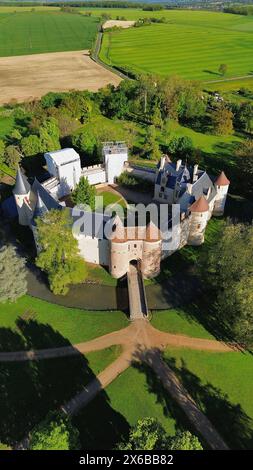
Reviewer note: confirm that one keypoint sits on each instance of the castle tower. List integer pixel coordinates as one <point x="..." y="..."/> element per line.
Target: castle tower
<point x="199" y="218"/>
<point x="221" y="185"/>
<point x="152" y="252"/>
<point x="21" y="192"/>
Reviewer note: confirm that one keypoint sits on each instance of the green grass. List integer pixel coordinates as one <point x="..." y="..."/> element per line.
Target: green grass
<point x="177" y="321"/>
<point x="111" y="198"/>
<point x="99" y="275"/>
<point x="221" y="383"/>
<point x="50" y="322"/>
<point x="124" y="401"/>
<point x="38" y="32"/>
<point x="193" y="44"/>
<point x="7" y="123"/>
<point x="43" y="386"/>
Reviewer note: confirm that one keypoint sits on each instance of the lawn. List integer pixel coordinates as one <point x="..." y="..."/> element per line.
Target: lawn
<point x="36" y="32"/>
<point x="33" y="323"/>
<point x="192" y="44"/>
<point x="111" y="198"/>
<point x="32" y="389"/>
<point x="99" y="275"/>
<point x="179" y="322"/>
<point x="221" y="384"/>
<point x="124" y="401"/>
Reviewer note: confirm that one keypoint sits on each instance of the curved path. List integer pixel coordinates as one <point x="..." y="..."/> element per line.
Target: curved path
<point x="138" y="333"/>
<point x="141" y="342"/>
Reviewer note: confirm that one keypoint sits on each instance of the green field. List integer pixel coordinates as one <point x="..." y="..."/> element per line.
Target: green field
<point x="52" y="325"/>
<point x="193" y="44"/>
<point x="37" y="32"/>
<point x="221" y="383"/>
<point x="124" y="401"/>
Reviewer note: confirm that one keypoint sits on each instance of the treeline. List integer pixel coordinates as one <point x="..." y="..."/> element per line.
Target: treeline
<point x="239" y="10"/>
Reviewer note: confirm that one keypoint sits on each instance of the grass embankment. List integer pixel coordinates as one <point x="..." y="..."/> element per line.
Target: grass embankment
<point x="33" y="323"/>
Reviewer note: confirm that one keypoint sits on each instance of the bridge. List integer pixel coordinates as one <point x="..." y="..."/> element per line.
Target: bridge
<point x="136" y="292"/>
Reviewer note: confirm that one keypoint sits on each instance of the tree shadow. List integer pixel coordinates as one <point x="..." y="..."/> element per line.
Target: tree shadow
<point x="31" y="389"/>
<point x="211" y="72"/>
<point x="230" y="420"/>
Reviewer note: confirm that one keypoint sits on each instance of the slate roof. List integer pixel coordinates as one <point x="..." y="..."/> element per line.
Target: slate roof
<point x="22" y="186"/>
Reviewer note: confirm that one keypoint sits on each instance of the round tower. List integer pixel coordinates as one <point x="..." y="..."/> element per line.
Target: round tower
<point x="152" y="252"/>
<point x="21" y="192"/>
<point x="221" y="185"/>
<point x="119" y="258"/>
<point x="199" y="218"/>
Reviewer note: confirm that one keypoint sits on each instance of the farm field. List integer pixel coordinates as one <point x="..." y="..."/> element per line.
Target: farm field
<point x="192" y="44"/>
<point x="38" y="32"/>
<point x="58" y="71"/>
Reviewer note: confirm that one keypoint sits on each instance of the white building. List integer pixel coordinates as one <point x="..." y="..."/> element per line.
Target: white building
<point x="197" y="194"/>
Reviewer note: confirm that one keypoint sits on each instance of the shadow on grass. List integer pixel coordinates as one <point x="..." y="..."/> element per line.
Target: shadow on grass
<point x="229" y="420"/>
<point x="30" y="389"/>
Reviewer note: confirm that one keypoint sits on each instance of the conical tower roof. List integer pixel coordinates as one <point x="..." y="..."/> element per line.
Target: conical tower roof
<point x="22" y="186"/>
<point x="222" y="180"/>
<point x="201" y="205"/>
<point x="40" y="207"/>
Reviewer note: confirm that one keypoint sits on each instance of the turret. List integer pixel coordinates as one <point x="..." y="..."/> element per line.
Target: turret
<point x="152" y="251"/>
<point x="21" y="192"/>
<point x="199" y="217"/>
<point x="221" y="185"/>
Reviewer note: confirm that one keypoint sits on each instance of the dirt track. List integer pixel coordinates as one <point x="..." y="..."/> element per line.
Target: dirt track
<point x="32" y="76"/>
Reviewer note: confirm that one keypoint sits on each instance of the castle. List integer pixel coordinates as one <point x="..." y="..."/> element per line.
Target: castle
<point x="198" y="196"/>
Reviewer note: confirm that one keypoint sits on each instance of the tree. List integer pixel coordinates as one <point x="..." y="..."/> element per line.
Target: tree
<point x="12" y="275"/>
<point x="2" y="149"/>
<point x="59" y="254"/>
<point x="223" y="68"/>
<point x="78" y="104"/>
<point x="228" y="269"/>
<point x="151" y="147"/>
<point x="157" y="118"/>
<point x="184" y="441"/>
<point x="49" y="135"/>
<point x="31" y="145"/>
<point x="181" y="147"/>
<point x="246" y="116"/>
<point x="12" y="156"/>
<point x="149" y="434"/>
<point x="222" y="120"/>
<point x="55" y="432"/>
<point x="84" y="193"/>
<point x="85" y="141"/>
<point x="245" y="165"/>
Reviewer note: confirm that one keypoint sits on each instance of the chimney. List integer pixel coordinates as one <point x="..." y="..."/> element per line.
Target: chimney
<point x="162" y="162"/>
<point x="195" y="171"/>
<point x="179" y="163"/>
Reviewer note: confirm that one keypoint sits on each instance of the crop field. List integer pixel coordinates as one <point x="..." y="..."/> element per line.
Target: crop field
<point x="192" y="44"/>
<point x="34" y="32"/>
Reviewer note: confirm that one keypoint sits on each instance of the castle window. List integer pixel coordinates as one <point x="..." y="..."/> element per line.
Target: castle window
<point x="135" y="246"/>
<point x="162" y="189"/>
<point x="199" y="225"/>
